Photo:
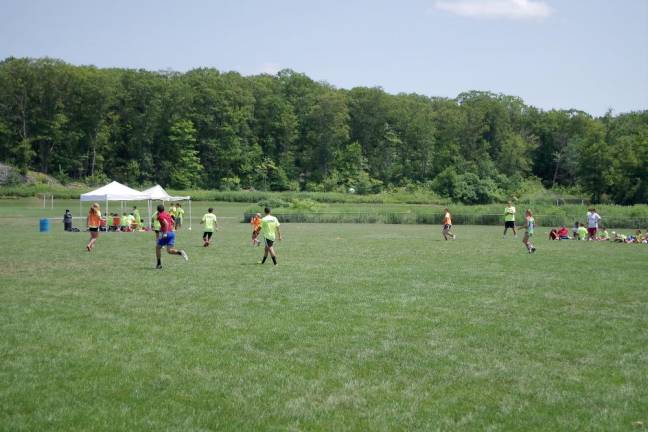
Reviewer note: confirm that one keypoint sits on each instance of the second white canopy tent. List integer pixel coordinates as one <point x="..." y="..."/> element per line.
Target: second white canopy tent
<point x="157" y="193"/>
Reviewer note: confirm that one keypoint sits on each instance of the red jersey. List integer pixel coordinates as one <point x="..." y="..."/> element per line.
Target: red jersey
<point x="166" y="222"/>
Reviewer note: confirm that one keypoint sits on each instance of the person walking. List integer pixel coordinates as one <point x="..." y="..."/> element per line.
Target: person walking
<point x="270" y="231"/>
<point x="93" y="222"/>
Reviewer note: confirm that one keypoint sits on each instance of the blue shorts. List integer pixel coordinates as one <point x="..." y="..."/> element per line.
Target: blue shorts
<point x="168" y="241"/>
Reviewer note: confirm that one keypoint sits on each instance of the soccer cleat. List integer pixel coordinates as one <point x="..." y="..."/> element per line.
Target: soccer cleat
<point x="454" y="237"/>
<point x="158" y="267"/>
<point x="88" y="248"/>
<point x="183" y="254"/>
<point x="533" y="249"/>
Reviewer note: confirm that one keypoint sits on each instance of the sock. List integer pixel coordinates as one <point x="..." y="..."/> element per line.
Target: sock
<point x="159" y="261"/>
<point x="264" y="259"/>
<point x="274" y="260"/>
<point x="178" y="253"/>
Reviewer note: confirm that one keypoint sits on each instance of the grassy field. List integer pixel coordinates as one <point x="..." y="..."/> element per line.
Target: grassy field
<point x="360" y="327"/>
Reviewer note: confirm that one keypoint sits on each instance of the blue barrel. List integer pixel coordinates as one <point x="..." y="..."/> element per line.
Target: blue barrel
<point x="44" y="225"/>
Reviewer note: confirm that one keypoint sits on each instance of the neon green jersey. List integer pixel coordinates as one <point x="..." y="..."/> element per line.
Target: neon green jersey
<point x="509" y="214"/>
<point x="269" y="225"/>
<point x="582" y="232"/>
<point x="155" y="223"/>
<point x="210" y="221"/>
<point x="179" y="212"/>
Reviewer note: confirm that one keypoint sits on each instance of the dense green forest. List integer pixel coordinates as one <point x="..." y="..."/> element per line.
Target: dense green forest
<point x="210" y="129"/>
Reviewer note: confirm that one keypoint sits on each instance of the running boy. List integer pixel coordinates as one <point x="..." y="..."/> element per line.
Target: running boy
<point x="167" y="237"/>
<point x="530" y="227"/>
<point x="211" y="223"/>
<point x="270" y="231"/>
<point x="447" y="225"/>
<point x="256" y="229"/>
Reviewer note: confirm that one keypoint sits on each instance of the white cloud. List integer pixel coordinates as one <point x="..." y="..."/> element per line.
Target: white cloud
<point x="509" y="9"/>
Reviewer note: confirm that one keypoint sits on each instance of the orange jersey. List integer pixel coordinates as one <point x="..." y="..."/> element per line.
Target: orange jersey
<point x="256" y="223"/>
<point x="94" y="219"/>
<point x="447" y="220"/>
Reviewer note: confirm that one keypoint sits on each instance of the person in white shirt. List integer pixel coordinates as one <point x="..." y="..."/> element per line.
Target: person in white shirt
<point x="593" y="219"/>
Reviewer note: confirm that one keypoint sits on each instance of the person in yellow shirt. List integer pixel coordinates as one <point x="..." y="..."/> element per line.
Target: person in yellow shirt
<point x="93" y="222"/>
<point x="509" y="219"/>
<point x="172" y="212"/>
<point x="179" y="215"/>
<point x="447" y="225"/>
<point x="155" y="225"/>
<point x="211" y="224"/>
<point x="270" y="231"/>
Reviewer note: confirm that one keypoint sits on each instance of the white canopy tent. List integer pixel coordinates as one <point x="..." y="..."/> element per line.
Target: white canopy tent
<point x="157" y="193"/>
<point x="113" y="191"/>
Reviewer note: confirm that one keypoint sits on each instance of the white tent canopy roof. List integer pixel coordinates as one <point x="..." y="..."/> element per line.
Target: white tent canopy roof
<point x="114" y="191"/>
<point x="157" y="193"/>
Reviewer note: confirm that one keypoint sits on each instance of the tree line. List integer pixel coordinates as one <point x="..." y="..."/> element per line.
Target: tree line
<point x="211" y="129"/>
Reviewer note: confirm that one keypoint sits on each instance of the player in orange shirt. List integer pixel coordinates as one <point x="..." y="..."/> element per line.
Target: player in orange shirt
<point x="93" y="222"/>
<point x="447" y="225"/>
<point x="256" y="229"/>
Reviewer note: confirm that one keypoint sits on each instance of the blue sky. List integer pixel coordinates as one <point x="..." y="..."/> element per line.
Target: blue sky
<point x="590" y="55"/>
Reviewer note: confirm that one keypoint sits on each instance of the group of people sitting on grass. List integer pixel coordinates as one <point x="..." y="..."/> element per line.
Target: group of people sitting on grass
<point x="637" y="237"/>
<point x="127" y="222"/>
<point x="593" y="232"/>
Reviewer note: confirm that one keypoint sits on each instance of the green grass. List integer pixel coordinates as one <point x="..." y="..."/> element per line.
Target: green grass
<point x="360" y="327"/>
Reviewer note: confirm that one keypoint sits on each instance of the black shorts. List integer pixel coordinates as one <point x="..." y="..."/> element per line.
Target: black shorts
<point x="93" y="229"/>
<point x="509" y="224"/>
<point x="207" y="235"/>
<point x="269" y="243"/>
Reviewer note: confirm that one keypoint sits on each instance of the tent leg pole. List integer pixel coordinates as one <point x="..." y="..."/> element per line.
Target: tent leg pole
<point x="189" y="214"/>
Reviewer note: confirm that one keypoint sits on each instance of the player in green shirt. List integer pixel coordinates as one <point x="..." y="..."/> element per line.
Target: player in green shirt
<point x="211" y="224"/>
<point x="124" y="222"/>
<point x="155" y="224"/>
<point x="138" y="218"/>
<point x="179" y="214"/>
<point x="270" y="232"/>
<point x="530" y="228"/>
<point x="509" y="219"/>
<point x="582" y="232"/>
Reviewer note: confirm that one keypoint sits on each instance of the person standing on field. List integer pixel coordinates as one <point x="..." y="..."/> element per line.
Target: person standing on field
<point x="179" y="216"/>
<point x="447" y="225"/>
<point x="93" y="221"/>
<point x="155" y="225"/>
<point x="270" y="232"/>
<point x="167" y="237"/>
<point x="509" y="219"/>
<point x="593" y="219"/>
<point x="67" y="220"/>
<point x="211" y="224"/>
<point x="137" y="216"/>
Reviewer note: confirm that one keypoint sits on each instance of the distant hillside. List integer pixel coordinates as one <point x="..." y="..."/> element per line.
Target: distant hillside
<point x="11" y="176"/>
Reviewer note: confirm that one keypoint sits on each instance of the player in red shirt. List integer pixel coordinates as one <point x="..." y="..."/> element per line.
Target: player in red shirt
<point x="167" y="237"/>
